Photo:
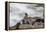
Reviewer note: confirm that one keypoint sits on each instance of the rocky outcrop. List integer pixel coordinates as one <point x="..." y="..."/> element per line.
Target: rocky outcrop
<point x="29" y="22"/>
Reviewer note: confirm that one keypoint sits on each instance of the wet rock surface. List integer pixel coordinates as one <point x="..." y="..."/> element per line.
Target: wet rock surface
<point x="29" y="23"/>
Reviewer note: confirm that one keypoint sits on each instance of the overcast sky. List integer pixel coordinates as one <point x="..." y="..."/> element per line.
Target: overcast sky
<point x="17" y="11"/>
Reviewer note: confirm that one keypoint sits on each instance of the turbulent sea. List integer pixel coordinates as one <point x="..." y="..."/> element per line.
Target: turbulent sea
<point x="17" y="12"/>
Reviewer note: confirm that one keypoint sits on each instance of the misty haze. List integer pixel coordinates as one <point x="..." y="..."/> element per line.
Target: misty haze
<point x="26" y="15"/>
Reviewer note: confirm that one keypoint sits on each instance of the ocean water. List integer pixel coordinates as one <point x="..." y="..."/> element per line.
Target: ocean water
<point x="17" y="12"/>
